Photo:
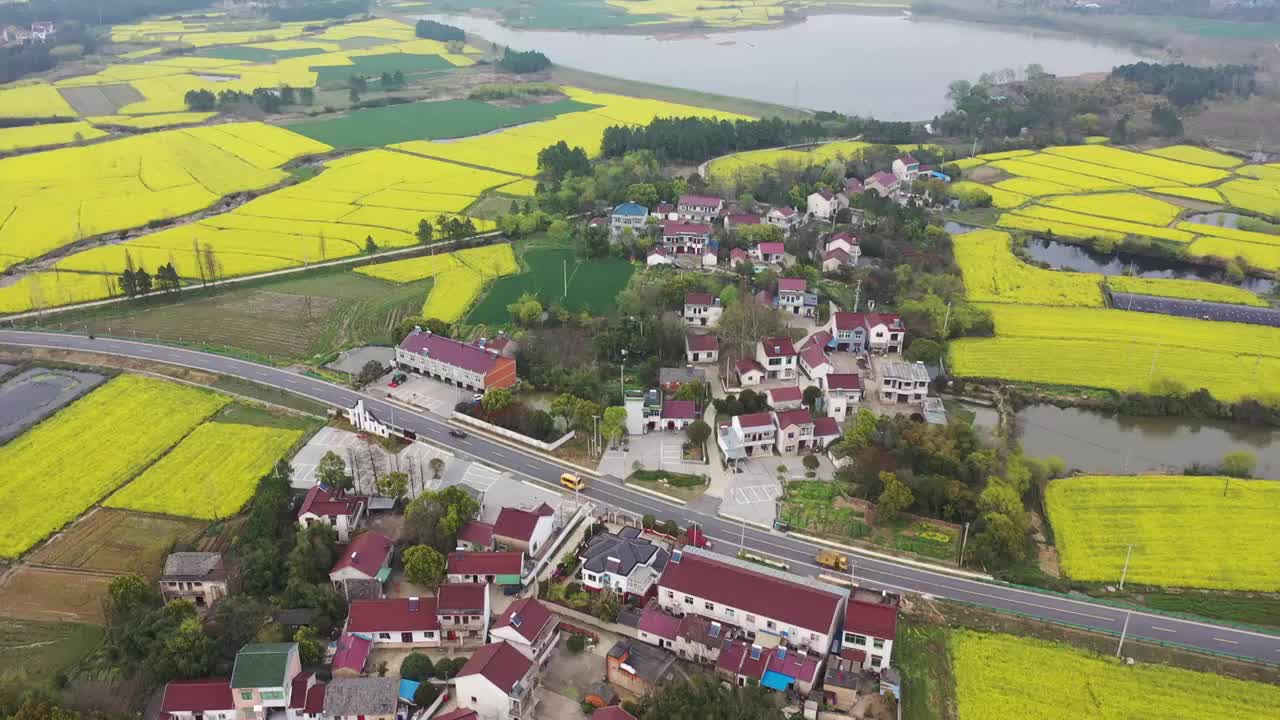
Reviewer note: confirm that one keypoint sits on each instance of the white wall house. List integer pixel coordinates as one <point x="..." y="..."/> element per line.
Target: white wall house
<point x="336" y="508"/>
<point x="530" y="627"/>
<point x="702" y="309"/>
<point x="699" y="208"/>
<point x="842" y="394"/>
<point x="825" y="204"/>
<point x="497" y="682"/>
<point x="628" y="215"/>
<point x="396" y="622"/>
<point x="903" y="382"/>
<point x="785" y="218"/>
<point x="525" y="530"/>
<point x="622" y="562"/>
<point x="191" y="699"/>
<point x="906" y="168"/>
<point x="777" y="355"/>
<point x="870" y="627"/>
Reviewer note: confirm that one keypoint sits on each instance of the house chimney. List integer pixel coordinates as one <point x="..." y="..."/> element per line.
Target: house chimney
<point x="413" y="604"/>
<point x="354" y="555"/>
<point x="417" y="329"/>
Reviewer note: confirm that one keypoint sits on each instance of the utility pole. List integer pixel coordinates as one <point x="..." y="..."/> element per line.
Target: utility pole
<point x="622" y="386"/>
<point x="1125" y="572"/>
<point x="857" y="295"/>
<point x="946" y="320"/>
<point x="1123" y="631"/>
<point x="565" y="270"/>
<point x="963" y="542"/>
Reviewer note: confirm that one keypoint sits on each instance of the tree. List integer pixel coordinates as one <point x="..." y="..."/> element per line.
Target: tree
<point x="526" y="311"/>
<point x="371" y="371"/>
<point x="187" y="654"/>
<point x="811" y="395"/>
<point x="697" y="431"/>
<point x="1000" y="540"/>
<point x="708" y="699"/>
<point x="523" y="62"/>
<point x="743" y="323"/>
<point x="425" y="231"/>
<point x="426" y="694"/>
<point x="585" y="414"/>
<point x="310" y="645"/>
<point x="416" y="666"/>
<point x="314" y="552"/>
<point x="424" y="565"/>
<point x="393" y="485"/>
<point x="496" y="400"/>
<point x="433" y="518"/>
<point x="370" y="246"/>
<point x="142" y="279"/>
<point x="895" y="497"/>
<point x="613" y="423"/>
<point x="437" y="467"/>
<point x="643" y="193"/>
<point x="564" y="406"/>
<point x="1239" y="464"/>
<point x="576" y="643"/>
<point x="332" y="471"/>
<point x="606" y="607"/>
<point x="129" y="593"/>
<point x="1166" y="120"/>
<point x="811" y="462"/>
<point x="307" y="95"/>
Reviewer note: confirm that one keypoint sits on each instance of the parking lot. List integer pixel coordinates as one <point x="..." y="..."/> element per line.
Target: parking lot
<point x="658" y="450"/>
<point x="421" y="392"/>
<point x="366" y="459"/>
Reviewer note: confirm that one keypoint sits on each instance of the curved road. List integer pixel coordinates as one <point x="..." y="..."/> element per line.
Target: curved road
<point x="871" y="572"/>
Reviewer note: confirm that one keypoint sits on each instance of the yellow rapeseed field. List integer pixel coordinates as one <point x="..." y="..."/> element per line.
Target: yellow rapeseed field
<point x="1259" y="196"/>
<point x="34" y="291"/>
<point x="34" y="136"/>
<point x="969" y="163"/>
<point x="1015" y="221"/>
<point x="992" y="273"/>
<point x="33" y="100"/>
<point x="1172" y="170"/>
<point x="1263" y="257"/>
<point x="459" y="276"/>
<point x="1006" y="676"/>
<point x="1006" y="154"/>
<point x="412" y="270"/>
<point x="1000" y="197"/>
<point x="1192" y="193"/>
<point x="1120" y="206"/>
<point x="58" y="469"/>
<point x="1197" y="156"/>
<point x="453" y="293"/>
<point x="1055" y="215"/>
<point x="211" y="474"/>
<point x="1204" y="532"/>
<point x="1087" y="169"/>
<point x="1022" y="168"/>
<point x="1034" y="188"/>
<point x="150" y="122"/>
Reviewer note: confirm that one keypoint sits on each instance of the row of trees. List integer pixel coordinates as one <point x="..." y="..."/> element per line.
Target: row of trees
<point x="1185" y="85"/>
<point x="432" y="30"/>
<point x="445" y="228"/>
<point x="528" y="61"/>
<point x="139" y="283"/>
<point x="268" y="100"/>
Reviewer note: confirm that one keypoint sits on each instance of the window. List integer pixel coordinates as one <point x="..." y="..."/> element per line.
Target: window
<point x="859" y="639"/>
<point x="875" y="661"/>
<point x="273" y="695"/>
<point x="877" y="643"/>
<point x="728" y="611"/>
<point x="246" y="695"/>
<point x="813" y="637"/>
<point x="688" y="600"/>
<point x="384" y="636"/>
<point x="751" y="618"/>
<point x="709" y="606"/>
<point x="768" y="624"/>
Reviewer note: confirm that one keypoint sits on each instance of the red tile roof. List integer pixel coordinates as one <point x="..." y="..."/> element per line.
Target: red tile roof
<point x="676" y="227"/>
<point x="785" y="394"/>
<point x="784" y="211"/>
<point x="847" y="237"/>
<point x="322" y="501"/>
<point x="883" y="179"/>
<point x="825" y="427"/>
<point x="531" y="616"/>
<point x="743" y="219"/>
<point x="679" y="410"/>
<point x="655" y="621"/>
<point x="516" y="524"/>
<point x="813" y="356"/>
<point x="393" y="615"/>
<point x="819" y="339"/>
<point x="825" y="194"/>
<point x="702" y="342"/>
<point x="459" y="714"/>
<point x="850" y="320"/>
<point x="778" y="347"/>
<point x="877" y="620"/>
<point x="754" y="420"/>
<point x="736" y="658"/>
<point x="792" y="285"/>
<point x="658" y="251"/>
<point x="737" y="254"/>
<point x="315" y="700"/>
<point x="197" y="696"/>
<point x="352" y="654"/>
<point x="844" y="381"/>
<point x="450" y="351"/>
<point x="485" y="563"/>
<point x="838" y="254"/>
<point x="853" y="185"/>
<point x="793" y="664"/>
<point x="772" y="248"/>
<point x="754" y="592"/>
<point x="799" y="416"/>
<point x="698" y="298"/>
<point x="298" y="695"/>
<point x="708" y="200"/>
<point x="499" y="663"/>
<point x="476" y="532"/>
<point x="747" y="365"/>
<point x="367" y="553"/>
<point x="909" y="160"/>
<point x="460" y="598"/>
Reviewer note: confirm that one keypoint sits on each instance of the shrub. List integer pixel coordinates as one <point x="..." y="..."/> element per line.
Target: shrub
<point x="576" y="643"/>
<point x="416" y="666"/>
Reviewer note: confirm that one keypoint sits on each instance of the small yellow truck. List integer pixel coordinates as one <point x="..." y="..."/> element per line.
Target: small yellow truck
<point x="832" y="559"/>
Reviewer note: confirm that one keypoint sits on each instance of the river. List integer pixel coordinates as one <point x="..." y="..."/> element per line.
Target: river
<point x="888" y="67"/>
<point x="1101" y="443"/>
<point x="1065" y="256"/>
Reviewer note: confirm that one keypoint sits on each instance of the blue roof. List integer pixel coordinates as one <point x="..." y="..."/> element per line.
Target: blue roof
<point x="630" y="208"/>
<point x="407" y="690"/>
<point x="776" y="681"/>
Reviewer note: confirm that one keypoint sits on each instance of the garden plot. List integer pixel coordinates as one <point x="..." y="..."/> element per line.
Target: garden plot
<point x="54" y="594"/>
<point x="115" y="541"/>
<point x="33" y="395"/>
<point x="100" y="99"/>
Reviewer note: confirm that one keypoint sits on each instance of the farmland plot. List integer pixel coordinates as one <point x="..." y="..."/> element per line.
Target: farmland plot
<point x="992" y="273"/>
<point x="116" y="541"/>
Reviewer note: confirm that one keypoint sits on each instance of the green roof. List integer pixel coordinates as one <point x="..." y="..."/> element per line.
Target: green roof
<point x="262" y="665"/>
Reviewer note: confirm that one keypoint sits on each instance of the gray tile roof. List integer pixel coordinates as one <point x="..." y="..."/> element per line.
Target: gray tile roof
<point x="627" y="549"/>
<point x="361" y="696"/>
<point x="192" y="564"/>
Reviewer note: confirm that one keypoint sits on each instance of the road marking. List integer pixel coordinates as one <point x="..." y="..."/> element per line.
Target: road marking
<point x="1229" y="642"/>
<point x="1153" y="627"/>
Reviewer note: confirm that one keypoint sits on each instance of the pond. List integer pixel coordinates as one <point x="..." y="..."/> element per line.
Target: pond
<point x="1065" y="256"/>
<point x="1101" y="443"/>
<point x="888" y="67"/>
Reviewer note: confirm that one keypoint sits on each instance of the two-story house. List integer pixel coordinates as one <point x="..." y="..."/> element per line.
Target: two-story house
<point x="906" y="168"/>
<point x="777" y="355"/>
<point x="795" y="432"/>
<point x="870" y="627"/>
<point x="825" y="204"/>
<point x="702" y="309"/>
<point x="746" y="436"/>
<point x="701" y="347"/>
<point x="199" y="577"/>
<point x="799" y="612"/>
<point x="623" y="562"/>
<point x="699" y="208"/>
<point x="785" y="218"/>
<point x="528" y="626"/>
<point x="794" y="298"/>
<point x="454" y="362"/>
<point x="841" y="395"/>
<point x="526" y="530"/>
<point x="262" y="679"/>
<point x="884" y="184"/>
<point x="499" y="568"/>
<point x="769" y="253"/>
<point x="738" y="256"/>
<point x="867" y="332"/>
<point x="362" y="698"/>
<point x="364" y="566"/>
<point x="343" y="512"/>
<point x="904" y="382"/>
<point x="842" y="249"/>
<point x="497" y="682"/>
<point x="685" y="238"/>
<point x="197" y="700"/>
<point x="410" y="622"/>
<point x="462" y="610"/>
<point x="628" y="216"/>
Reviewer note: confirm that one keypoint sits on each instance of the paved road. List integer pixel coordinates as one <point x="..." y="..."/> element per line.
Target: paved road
<point x="871" y="572"/>
<point x="1199" y="309"/>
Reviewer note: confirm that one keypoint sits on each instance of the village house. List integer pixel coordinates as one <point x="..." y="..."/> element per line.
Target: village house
<point x="41" y="30"/>
<point x="623" y="562"/>
<point x="853" y="187"/>
<point x="334" y="508"/>
<point x="670" y="380"/>
<point x="842" y="394"/>
<point x="475" y="536"/>
<point x="770" y="253"/>
<point x="700" y="639"/>
<point x="498" y="568"/>
<point x="734" y="221"/>
<point x="747" y="436"/>
<point x="702" y="309"/>
<point x="771" y="607"/>
<point x="863" y="332"/>
<point x="528" y="626"/>
<point x="784" y="398"/>
<point x="778" y="357"/>
<point x="884" y="184"/>
<point x="870" y="627"/>
<point x="699" y="208"/>
<point x="833" y="260"/>
<point x="785" y="218"/>
<point x="411" y="622"/>
<point x="778" y="669"/>
<point x="306" y="698"/>
<point x="794" y="298"/>
<point x="351" y="655"/>
<point x="677" y="414"/>
<point x="825" y="204"/>
<point x="497" y="683"/>
<point x="840" y="683"/>
<point x="711" y="255"/>
<point x="659" y="256"/>
<point x="738" y="255"/>
<point x="701" y="347"/>
<point x="813" y="359"/>
<point x="262" y="678"/>
<point x="199" y="577"/>
<point x="524" y="530"/>
<point x="846" y="243"/>
<point x="685" y="238"/>
<point x="749" y="372"/>
<point x="638" y="668"/>
<point x="798" y="432"/>
<point x="906" y="168"/>
<point x="363" y="698"/>
<point x="656" y="626"/>
<point x="462" y="610"/>
<point x="455" y="362"/>
<point x="628" y="216"/>
<point x="197" y="700"/>
<point x="665" y="211"/>
<point x="903" y="383"/>
<point x="364" y="566"/>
